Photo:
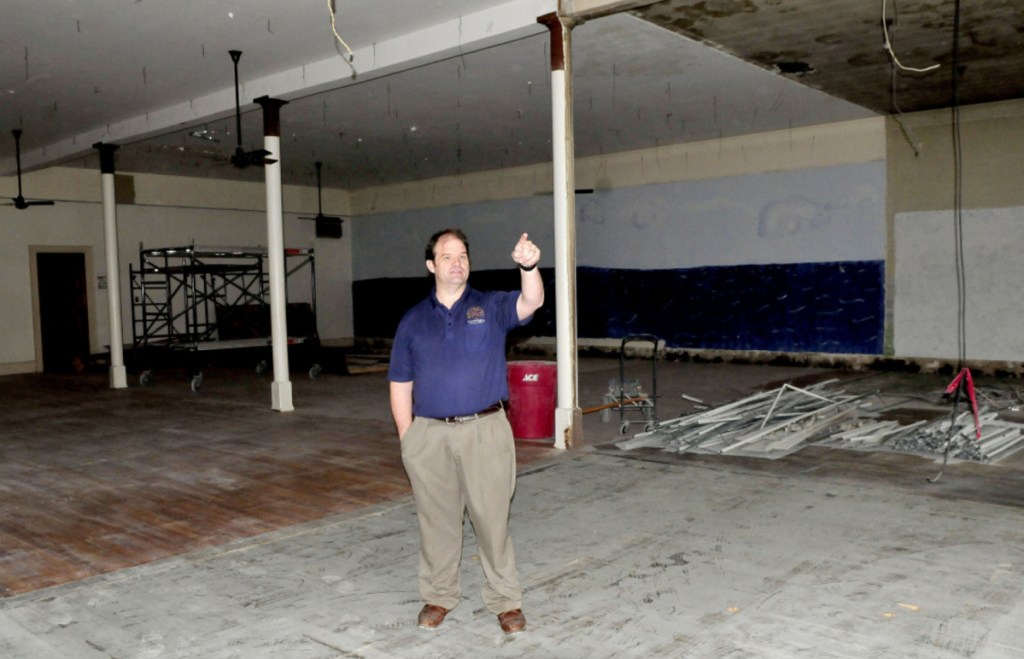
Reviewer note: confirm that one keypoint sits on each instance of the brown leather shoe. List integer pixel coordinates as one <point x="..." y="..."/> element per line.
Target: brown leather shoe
<point x="512" y="622"/>
<point x="431" y="616"/>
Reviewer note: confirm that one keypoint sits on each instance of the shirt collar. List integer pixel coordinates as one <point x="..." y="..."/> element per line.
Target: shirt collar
<point x="462" y="298"/>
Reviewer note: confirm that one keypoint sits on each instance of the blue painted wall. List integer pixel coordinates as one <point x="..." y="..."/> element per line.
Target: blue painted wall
<point x="805" y="307"/>
<point x="781" y="261"/>
<point x="818" y="307"/>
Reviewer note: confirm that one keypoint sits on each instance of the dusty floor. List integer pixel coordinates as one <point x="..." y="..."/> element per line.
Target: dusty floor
<point x="824" y="553"/>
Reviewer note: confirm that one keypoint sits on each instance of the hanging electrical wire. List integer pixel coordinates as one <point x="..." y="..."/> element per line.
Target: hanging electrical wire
<point x="892" y="53"/>
<point x="962" y="384"/>
<point x="334" y="29"/>
<point x="907" y="132"/>
<point x="958" y="221"/>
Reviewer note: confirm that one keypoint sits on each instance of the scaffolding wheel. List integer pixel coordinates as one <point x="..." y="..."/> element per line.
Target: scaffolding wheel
<point x="146" y="378"/>
<point x="314" y="371"/>
<point x="623" y="428"/>
<point x="196" y="382"/>
<point x="261" y="367"/>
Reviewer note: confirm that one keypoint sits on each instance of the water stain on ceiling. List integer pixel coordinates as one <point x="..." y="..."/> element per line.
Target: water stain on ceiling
<point x="838" y="46"/>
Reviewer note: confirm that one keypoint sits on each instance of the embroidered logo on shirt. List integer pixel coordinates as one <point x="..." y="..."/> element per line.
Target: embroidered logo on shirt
<point x="476" y="316"/>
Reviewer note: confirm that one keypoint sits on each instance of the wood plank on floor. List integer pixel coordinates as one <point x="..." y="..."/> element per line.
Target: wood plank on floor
<point x="109" y="479"/>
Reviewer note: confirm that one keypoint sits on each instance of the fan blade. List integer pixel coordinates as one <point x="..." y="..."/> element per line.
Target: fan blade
<point x="242" y="159"/>
<point x="259" y="157"/>
<point x="21" y="203"/>
<point x="321" y="217"/>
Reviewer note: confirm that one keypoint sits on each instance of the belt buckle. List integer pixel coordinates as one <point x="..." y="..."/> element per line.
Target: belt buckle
<point x="455" y="420"/>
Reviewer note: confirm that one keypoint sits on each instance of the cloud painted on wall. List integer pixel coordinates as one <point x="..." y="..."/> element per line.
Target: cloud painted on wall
<point x="790" y="216"/>
<point x="797" y="213"/>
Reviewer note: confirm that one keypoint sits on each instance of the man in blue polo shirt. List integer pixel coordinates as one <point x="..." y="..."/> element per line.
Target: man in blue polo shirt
<point x="448" y="387"/>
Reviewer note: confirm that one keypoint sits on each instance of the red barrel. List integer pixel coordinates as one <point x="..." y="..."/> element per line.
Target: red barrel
<point x="531" y="399"/>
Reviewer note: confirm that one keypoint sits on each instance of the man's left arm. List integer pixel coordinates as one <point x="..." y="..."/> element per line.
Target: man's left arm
<point x="531" y="297"/>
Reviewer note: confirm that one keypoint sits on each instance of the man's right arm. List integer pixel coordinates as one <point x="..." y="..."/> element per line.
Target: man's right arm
<point x="401" y="406"/>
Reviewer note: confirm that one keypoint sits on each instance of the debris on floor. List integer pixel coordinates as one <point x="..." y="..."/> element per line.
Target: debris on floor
<point x="768" y="424"/>
<point x="778" y="422"/>
<point x="999" y="438"/>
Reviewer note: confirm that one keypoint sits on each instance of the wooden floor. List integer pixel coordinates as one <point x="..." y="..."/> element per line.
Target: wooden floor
<point x="94" y="480"/>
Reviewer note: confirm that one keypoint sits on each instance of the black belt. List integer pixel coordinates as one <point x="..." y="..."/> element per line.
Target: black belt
<point x="472" y="417"/>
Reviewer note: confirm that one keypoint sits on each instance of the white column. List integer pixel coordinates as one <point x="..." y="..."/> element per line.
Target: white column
<point x="281" y="387"/>
<point x="118" y="373"/>
<point x="568" y="417"/>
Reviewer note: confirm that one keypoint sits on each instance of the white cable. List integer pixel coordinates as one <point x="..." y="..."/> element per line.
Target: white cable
<point x="892" y="54"/>
<point x="334" y="29"/>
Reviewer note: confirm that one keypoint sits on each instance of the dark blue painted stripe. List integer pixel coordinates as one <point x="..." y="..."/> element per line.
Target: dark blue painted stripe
<point x="806" y="307"/>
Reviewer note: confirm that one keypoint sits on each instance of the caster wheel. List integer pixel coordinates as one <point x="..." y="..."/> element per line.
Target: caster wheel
<point x="261" y="367"/>
<point x="196" y="383"/>
<point x="314" y="371"/>
<point x="146" y="378"/>
<point x="623" y="428"/>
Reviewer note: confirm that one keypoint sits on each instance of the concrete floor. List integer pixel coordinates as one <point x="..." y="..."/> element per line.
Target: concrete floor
<point x="825" y="553"/>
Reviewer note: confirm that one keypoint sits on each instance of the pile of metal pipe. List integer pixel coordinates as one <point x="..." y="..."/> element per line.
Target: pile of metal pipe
<point x="999" y="438"/>
<point x="777" y="422"/>
<point x="770" y="423"/>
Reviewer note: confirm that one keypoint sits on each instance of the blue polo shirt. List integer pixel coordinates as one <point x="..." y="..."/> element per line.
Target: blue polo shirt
<point x="455" y="357"/>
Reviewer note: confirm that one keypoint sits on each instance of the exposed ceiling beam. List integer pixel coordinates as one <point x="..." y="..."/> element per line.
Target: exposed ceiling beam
<point x="489" y="27"/>
<point x="581" y="10"/>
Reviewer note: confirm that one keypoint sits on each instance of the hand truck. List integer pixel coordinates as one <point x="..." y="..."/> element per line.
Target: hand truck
<point x="630" y="396"/>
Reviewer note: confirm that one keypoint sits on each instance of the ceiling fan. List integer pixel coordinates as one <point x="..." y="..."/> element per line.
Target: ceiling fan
<point x="242" y="158"/>
<point x="327" y="226"/>
<point x="20" y="202"/>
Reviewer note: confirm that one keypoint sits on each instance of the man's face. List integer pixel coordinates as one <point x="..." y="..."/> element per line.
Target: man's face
<point x="451" y="261"/>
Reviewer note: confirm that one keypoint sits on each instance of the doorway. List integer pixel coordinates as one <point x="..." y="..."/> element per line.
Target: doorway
<point x="63" y="311"/>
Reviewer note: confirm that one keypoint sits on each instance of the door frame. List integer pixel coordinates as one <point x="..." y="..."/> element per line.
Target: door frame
<point x="91" y="293"/>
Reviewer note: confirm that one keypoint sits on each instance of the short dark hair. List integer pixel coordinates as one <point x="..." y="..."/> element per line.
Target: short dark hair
<point x="441" y="234"/>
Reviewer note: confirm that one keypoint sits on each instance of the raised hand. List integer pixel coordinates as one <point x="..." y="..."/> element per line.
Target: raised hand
<point x="526" y="254"/>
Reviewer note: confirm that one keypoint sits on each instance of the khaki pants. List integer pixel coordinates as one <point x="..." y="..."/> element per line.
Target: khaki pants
<point x="458" y="467"/>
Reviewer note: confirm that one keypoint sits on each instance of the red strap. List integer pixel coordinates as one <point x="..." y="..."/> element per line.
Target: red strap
<point x="966" y="372"/>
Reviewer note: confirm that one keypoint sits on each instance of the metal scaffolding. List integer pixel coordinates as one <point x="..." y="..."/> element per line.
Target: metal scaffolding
<point x="198" y="299"/>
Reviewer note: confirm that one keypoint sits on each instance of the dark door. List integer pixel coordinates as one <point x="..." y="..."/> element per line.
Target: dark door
<point x="63" y="311"/>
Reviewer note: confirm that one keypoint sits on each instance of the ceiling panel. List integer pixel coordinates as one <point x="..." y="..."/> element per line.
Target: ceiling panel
<point x="672" y="72"/>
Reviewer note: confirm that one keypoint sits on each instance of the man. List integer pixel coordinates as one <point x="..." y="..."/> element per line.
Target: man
<point x="448" y="387"/>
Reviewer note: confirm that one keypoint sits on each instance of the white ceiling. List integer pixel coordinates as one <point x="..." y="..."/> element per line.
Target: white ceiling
<point x="435" y="88"/>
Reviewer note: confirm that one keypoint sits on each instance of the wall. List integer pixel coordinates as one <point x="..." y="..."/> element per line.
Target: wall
<point x="924" y="305"/>
<point x="769" y="242"/>
<point x="662" y="219"/>
<point x="167" y="211"/>
<point x="927" y="310"/>
<point x="650" y="202"/>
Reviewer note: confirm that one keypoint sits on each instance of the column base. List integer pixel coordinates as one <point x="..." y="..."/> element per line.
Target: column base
<point x="281" y="396"/>
<point x="118" y="377"/>
<point x="568" y="427"/>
